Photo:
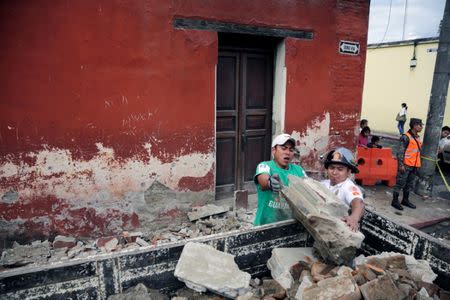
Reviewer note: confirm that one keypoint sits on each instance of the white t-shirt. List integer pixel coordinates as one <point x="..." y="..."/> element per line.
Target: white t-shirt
<point x="442" y="143"/>
<point x="346" y="190"/>
<point x="402" y="111"/>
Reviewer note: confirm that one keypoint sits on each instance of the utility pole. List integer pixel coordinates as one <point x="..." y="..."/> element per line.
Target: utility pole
<point x="436" y="108"/>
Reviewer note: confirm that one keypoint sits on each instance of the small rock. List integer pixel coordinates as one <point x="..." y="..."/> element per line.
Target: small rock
<point x="340" y="287"/>
<point x="103" y="240"/>
<point x="423" y="295"/>
<point x="111" y="244"/>
<point x="141" y="242"/>
<point x="380" y="288"/>
<point x="74" y="251"/>
<point x="206" y="211"/>
<point x="273" y="289"/>
<point x="61" y="241"/>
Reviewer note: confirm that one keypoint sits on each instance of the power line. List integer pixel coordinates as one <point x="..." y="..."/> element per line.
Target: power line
<point x="389" y="21"/>
<point x="404" y="19"/>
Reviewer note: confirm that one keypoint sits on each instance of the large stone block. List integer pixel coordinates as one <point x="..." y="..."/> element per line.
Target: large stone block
<point x="321" y="212"/>
<point x="203" y="268"/>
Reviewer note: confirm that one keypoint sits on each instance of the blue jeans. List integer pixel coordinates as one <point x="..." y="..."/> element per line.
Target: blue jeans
<point x="400" y="126"/>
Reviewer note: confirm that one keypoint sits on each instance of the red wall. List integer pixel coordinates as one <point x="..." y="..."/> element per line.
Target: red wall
<point x="101" y="98"/>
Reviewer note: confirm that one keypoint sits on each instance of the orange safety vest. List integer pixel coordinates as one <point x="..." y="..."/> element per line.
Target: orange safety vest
<point x="412" y="152"/>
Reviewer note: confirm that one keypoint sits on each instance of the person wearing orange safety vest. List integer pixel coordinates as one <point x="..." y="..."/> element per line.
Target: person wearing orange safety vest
<point x="408" y="158"/>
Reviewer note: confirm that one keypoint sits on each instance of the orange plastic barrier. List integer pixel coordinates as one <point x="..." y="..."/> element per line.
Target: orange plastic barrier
<point x="376" y="165"/>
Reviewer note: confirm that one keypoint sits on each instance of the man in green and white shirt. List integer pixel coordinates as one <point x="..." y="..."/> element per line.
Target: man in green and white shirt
<point x="269" y="177"/>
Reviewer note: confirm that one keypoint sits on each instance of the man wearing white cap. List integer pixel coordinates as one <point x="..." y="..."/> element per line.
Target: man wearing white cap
<point x="269" y="177"/>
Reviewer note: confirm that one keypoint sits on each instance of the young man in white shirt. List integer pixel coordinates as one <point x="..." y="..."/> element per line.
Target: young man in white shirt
<point x="340" y="165"/>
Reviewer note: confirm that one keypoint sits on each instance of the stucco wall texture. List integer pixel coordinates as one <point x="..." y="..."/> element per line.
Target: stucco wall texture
<point x="105" y="105"/>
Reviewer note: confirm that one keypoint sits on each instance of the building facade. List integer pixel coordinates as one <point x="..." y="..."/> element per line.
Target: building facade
<point x="398" y="72"/>
<point x="124" y="114"/>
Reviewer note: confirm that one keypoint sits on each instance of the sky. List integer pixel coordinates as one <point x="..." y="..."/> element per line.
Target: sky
<point x="422" y="19"/>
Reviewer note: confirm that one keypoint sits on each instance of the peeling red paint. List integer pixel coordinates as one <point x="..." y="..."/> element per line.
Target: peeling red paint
<point x="197" y="184"/>
<point x="124" y="78"/>
<point x="172" y="213"/>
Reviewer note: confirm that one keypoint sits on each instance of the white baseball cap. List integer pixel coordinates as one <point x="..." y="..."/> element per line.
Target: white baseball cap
<point x="282" y="139"/>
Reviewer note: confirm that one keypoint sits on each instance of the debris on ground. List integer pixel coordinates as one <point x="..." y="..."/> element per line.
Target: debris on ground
<point x="321" y="213"/>
<point x="202" y="268"/>
<point x="206" y="211"/>
<point x="20" y="255"/>
<point x="65" y="247"/>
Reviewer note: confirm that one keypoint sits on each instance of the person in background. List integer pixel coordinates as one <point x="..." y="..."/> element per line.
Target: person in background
<point x="269" y="177"/>
<point x="445" y="132"/>
<point x="408" y="159"/>
<point x="340" y="164"/>
<point x="374" y="142"/>
<point x="363" y="138"/>
<point x="401" y="118"/>
<point x="362" y="124"/>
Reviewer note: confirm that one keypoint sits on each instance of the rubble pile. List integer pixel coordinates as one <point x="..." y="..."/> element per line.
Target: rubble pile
<point x="298" y="274"/>
<point x="384" y="276"/>
<point x="206" y="220"/>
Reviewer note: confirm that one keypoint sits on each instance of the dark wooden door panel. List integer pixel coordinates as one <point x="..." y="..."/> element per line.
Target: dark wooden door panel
<point x="257" y="111"/>
<point x="243" y="116"/>
<point x="227" y="76"/>
<point x="225" y="157"/>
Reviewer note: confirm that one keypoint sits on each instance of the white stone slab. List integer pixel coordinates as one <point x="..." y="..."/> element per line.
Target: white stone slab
<point x="206" y="211"/>
<point x="201" y="268"/>
<point x="283" y="259"/>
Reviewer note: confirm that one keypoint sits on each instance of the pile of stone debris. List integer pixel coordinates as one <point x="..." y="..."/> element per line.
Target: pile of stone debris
<point x="205" y="220"/>
<point x="297" y="274"/>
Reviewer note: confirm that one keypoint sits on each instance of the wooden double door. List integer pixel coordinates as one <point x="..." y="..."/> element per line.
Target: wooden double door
<point x="243" y="113"/>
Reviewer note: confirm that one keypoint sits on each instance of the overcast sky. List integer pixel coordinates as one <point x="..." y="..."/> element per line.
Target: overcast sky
<point x="422" y="19"/>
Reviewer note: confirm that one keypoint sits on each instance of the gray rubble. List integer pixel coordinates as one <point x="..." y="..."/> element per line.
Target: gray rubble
<point x="206" y="211"/>
<point x="66" y="247"/>
<point x="202" y="268"/>
<point x="20" y="255"/>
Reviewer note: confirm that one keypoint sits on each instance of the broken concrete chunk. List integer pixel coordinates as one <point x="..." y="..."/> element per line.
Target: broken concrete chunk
<point x="111" y="245"/>
<point x="320" y="212"/>
<point x="273" y="289"/>
<point x="423" y="295"/>
<point x="103" y="240"/>
<point x="420" y="269"/>
<point x="246" y="296"/>
<point x="283" y="259"/>
<point x="381" y="288"/>
<point x="201" y="268"/>
<point x="141" y="242"/>
<point x="306" y="282"/>
<point x="74" y="251"/>
<point x="340" y="287"/>
<point x="61" y="241"/>
<point x="206" y="211"/>
<point x="20" y="255"/>
<point x="344" y="271"/>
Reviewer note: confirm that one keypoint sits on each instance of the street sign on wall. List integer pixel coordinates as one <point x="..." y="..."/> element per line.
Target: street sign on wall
<point x="350" y="48"/>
